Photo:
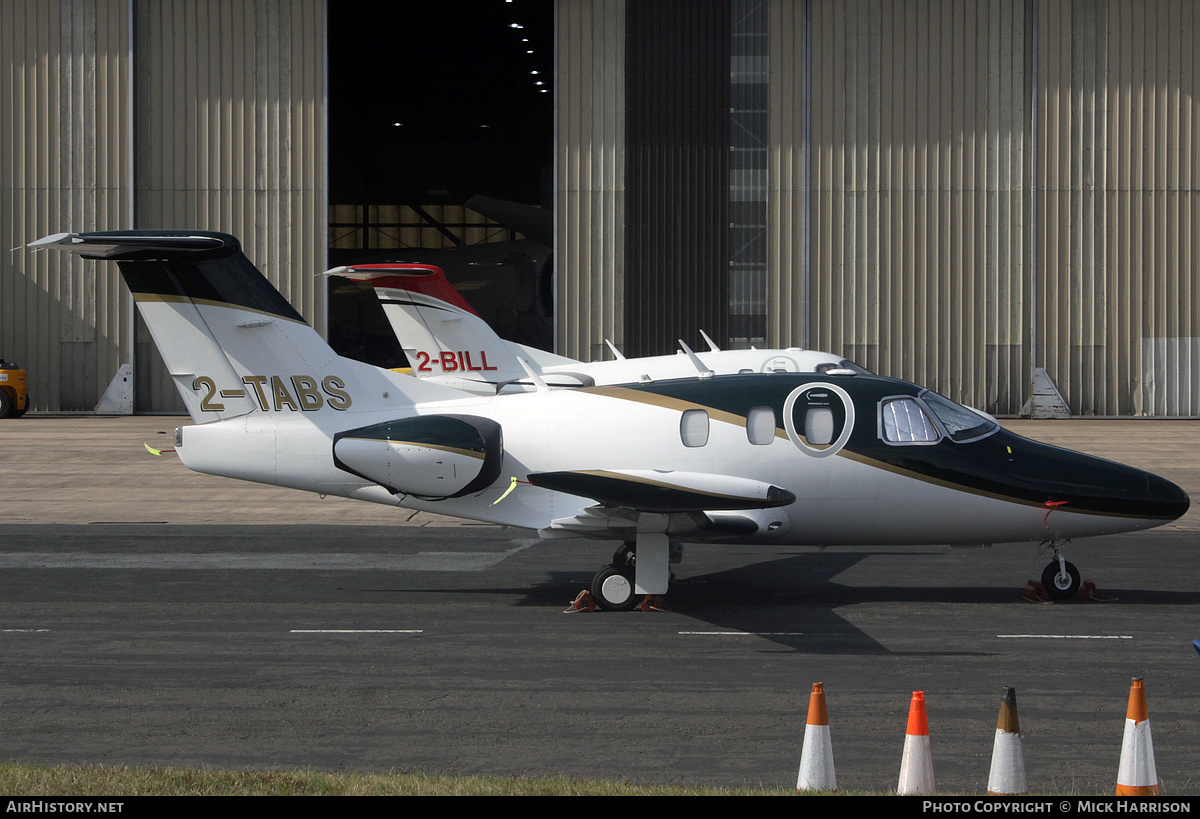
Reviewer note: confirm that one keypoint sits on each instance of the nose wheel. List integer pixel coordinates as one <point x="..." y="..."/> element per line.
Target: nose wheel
<point x="1060" y="578"/>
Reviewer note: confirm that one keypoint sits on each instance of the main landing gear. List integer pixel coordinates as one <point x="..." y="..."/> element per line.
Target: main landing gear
<point x="613" y="586"/>
<point x="1060" y="578"/>
<point x="639" y="568"/>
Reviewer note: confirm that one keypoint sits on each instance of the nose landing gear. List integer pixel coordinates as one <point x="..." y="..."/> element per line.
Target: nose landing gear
<point x="1060" y="578"/>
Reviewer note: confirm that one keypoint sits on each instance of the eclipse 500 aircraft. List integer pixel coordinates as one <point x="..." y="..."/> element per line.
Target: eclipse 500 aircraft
<point x="446" y="341"/>
<point x="800" y="458"/>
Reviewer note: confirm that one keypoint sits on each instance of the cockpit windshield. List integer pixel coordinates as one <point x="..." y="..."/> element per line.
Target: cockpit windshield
<point x="961" y="423"/>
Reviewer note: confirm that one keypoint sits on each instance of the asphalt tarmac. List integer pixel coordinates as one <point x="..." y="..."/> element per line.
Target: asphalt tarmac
<point x="153" y="616"/>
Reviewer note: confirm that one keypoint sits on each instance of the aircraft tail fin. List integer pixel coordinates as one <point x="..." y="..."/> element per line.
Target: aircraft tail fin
<point x="230" y="340"/>
<point x="441" y="334"/>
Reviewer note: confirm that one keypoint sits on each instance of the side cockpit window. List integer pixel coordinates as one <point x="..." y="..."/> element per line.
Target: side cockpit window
<point x="904" y="421"/>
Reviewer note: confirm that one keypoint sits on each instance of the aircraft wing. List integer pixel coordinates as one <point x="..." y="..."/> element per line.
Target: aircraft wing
<point x="541" y="358"/>
<point x="666" y="492"/>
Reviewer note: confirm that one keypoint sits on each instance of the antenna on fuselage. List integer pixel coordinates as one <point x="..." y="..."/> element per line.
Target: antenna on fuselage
<point x="703" y="371"/>
<point x="712" y="346"/>
<point x="541" y="385"/>
<point x="614" y="349"/>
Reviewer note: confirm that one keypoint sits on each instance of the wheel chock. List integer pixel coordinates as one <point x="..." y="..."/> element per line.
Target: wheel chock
<point x="582" y="602"/>
<point x="1088" y="591"/>
<point x="1035" y="592"/>
<point x="651" y="602"/>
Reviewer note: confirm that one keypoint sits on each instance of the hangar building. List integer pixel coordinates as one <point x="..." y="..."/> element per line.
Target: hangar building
<point x="955" y="193"/>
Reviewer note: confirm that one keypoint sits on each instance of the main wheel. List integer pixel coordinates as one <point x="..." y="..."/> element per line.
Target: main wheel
<point x="625" y="557"/>
<point x="613" y="589"/>
<point x="1058" y="585"/>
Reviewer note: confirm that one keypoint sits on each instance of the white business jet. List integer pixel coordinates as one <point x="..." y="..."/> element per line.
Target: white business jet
<point x="446" y="341"/>
<point x="782" y="457"/>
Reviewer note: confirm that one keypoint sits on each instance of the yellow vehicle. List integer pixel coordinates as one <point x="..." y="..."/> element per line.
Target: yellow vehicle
<point x="14" y="396"/>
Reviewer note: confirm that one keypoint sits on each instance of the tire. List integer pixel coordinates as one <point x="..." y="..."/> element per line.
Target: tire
<point x="1058" y="585"/>
<point x="613" y="589"/>
<point x="8" y="404"/>
<point x="625" y="557"/>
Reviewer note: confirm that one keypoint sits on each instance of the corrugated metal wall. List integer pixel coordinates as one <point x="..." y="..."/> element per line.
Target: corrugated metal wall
<point x="589" y="256"/>
<point x="227" y="103"/>
<point x="64" y="165"/>
<point x="901" y="239"/>
<point x="1118" y="177"/>
<point x="677" y="173"/>
<point x="905" y="239"/>
<point x="234" y="95"/>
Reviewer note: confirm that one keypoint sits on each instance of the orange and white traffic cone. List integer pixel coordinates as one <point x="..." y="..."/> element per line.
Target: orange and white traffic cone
<point x="1008" y="759"/>
<point x="916" y="767"/>
<point x="816" y="758"/>
<point x="1137" y="775"/>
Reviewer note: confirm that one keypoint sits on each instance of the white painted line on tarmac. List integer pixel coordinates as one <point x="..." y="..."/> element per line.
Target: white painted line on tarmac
<point x="357" y="631"/>
<point x="743" y="633"/>
<point x="244" y="561"/>
<point x="1065" y="636"/>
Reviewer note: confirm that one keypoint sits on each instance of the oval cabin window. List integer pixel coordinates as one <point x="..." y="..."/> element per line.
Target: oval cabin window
<point x="693" y="427"/>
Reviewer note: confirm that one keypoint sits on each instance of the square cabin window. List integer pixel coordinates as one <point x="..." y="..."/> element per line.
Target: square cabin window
<point x="760" y="426"/>
<point x="693" y="427"/>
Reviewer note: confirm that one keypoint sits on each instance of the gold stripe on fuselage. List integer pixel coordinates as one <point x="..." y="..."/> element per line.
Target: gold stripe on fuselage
<point x="667" y="402"/>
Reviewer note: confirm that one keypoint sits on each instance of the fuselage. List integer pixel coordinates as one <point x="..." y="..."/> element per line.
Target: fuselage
<point x="870" y="460"/>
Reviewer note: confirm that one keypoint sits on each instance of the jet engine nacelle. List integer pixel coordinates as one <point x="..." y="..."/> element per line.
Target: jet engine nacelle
<point x="430" y="456"/>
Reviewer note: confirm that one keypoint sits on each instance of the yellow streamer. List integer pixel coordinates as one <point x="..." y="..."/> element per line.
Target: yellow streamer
<point x="511" y="487"/>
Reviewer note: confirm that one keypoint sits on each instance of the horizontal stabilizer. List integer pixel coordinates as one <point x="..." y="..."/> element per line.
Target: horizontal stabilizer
<point x="649" y="490"/>
<point x="415" y="279"/>
<point x="131" y="245"/>
<point x="177" y="265"/>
